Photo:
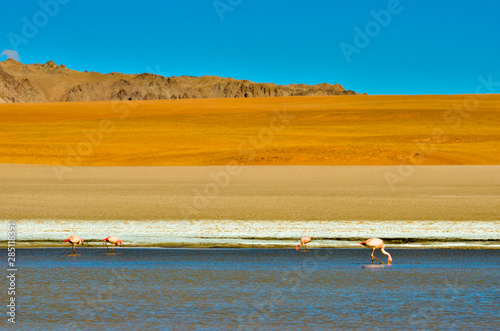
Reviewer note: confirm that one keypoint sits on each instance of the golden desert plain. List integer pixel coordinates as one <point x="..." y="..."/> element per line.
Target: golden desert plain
<point x="311" y="130"/>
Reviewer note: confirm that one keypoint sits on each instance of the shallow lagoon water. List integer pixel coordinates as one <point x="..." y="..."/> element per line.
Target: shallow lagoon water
<point x="256" y="289"/>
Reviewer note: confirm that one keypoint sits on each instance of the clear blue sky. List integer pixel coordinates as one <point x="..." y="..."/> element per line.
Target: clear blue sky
<point x="427" y="47"/>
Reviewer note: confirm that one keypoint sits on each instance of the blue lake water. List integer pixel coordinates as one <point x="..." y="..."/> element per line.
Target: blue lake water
<point x="255" y="289"/>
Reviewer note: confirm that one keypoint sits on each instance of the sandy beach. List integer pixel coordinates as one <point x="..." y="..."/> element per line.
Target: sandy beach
<point x="299" y="193"/>
<point x="197" y="205"/>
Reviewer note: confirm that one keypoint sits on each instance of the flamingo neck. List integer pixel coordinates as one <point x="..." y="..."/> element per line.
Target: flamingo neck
<point x="388" y="255"/>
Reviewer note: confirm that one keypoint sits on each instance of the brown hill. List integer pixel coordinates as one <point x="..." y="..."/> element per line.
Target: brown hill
<point x="52" y="83"/>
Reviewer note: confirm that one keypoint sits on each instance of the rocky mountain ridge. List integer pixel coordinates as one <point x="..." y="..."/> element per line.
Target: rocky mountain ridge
<point x="50" y="82"/>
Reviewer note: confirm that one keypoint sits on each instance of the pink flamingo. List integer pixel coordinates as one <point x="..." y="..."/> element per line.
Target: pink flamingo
<point x="303" y="241"/>
<point x="113" y="241"/>
<point x="74" y="240"/>
<point x="375" y="243"/>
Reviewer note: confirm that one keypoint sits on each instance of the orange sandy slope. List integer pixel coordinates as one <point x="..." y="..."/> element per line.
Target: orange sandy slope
<point x="334" y="130"/>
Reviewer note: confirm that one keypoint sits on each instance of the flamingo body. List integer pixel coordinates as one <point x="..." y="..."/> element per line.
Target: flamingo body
<point x="376" y="243"/>
<point x="114" y="241"/>
<point x="303" y="241"/>
<point x="74" y="240"/>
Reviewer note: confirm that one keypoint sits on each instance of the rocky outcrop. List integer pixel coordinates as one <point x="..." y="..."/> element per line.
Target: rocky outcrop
<point x="18" y="90"/>
<point x="50" y="82"/>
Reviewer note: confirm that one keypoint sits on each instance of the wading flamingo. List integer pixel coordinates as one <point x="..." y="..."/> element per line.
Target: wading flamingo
<point x="303" y="241"/>
<point x="113" y="241"/>
<point x="74" y="240"/>
<point x="374" y="244"/>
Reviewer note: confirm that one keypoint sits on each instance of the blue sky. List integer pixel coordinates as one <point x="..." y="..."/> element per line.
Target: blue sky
<point x="415" y="47"/>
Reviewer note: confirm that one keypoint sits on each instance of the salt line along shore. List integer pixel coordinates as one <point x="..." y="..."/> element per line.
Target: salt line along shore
<point x="259" y="233"/>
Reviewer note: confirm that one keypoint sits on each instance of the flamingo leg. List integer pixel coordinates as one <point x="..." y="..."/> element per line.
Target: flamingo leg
<point x="374" y="257"/>
<point x="305" y="247"/>
<point x="73" y="248"/>
<point x="112" y="249"/>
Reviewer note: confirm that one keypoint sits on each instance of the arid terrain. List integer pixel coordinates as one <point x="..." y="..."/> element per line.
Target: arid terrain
<point x="300" y="193"/>
<point x="331" y="130"/>
<point x="224" y="162"/>
<point x="50" y="82"/>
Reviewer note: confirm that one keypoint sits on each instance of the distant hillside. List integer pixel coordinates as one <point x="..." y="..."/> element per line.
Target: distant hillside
<point x="51" y="83"/>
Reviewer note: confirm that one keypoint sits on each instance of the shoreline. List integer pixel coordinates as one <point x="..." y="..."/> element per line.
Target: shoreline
<point x="257" y="233"/>
<point x="429" y="245"/>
